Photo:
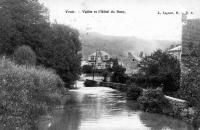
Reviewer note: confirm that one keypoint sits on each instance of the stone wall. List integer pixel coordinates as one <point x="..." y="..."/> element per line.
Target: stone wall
<point x="177" y="104"/>
<point x="117" y="86"/>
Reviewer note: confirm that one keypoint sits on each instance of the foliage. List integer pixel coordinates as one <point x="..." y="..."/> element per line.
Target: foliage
<point x="26" y="22"/>
<point x="27" y="93"/>
<point x="62" y="54"/>
<point x="105" y="74"/>
<point x="196" y="120"/>
<point x="133" y="92"/>
<point x="118" y="75"/>
<point x="22" y="22"/>
<point x="161" y="69"/>
<point x="24" y="55"/>
<point x="190" y="89"/>
<point x="87" y="69"/>
<point x="90" y="83"/>
<point x="153" y="100"/>
<point x="190" y="81"/>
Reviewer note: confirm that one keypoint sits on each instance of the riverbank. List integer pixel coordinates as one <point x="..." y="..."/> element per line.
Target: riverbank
<point x="178" y="108"/>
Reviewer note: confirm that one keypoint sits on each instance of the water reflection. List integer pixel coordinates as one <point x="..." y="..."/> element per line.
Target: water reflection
<point x="101" y="108"/>
<point x="159" y="122"/>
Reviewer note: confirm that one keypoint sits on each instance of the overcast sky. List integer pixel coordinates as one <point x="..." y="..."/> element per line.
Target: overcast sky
<point x="141" y="18"/>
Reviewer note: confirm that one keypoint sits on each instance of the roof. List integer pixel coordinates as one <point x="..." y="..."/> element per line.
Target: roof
<point x="102" y="53"/>
<point x="130" y="55"/>
<point x="178" y="48"/>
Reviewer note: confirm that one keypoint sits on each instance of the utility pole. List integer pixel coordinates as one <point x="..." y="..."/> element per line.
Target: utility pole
<point x="94" y="67"/>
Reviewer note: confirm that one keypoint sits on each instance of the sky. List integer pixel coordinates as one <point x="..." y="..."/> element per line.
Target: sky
<point x="140" y="17"/>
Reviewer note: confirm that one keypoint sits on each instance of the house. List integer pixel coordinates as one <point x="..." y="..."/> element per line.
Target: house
<point x="99" y="59"/>
<point x="176" y="52"/>
<point x="84" y="62"/>
<point x="131" y="64"/>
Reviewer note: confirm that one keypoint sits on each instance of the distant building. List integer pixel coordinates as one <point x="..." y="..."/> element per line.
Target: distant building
<point x="99" y="59"/>
<point x="131" y="64"/>
<point x="176" y="52"/>
<point x="190" y="36"/>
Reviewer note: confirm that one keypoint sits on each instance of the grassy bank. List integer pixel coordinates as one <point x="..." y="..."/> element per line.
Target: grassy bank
<point x="27" y="93"/>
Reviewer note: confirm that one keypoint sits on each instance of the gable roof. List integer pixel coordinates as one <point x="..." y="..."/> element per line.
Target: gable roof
<point x="178" y="48"/>
<point x="102" y="53"/>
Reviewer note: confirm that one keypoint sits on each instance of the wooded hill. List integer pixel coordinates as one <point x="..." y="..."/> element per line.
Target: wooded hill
<point x="118" y="46"/>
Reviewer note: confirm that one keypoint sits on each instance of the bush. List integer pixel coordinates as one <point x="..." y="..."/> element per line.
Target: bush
<point x="87" y="69"/>
<point x="146" y="81"/>
<point x="24" y="55"/>
<point x="134" y="92"/>
<point x="118" y="75"/>
<point x="196" y="120"/>
<point x="153" y="100"/>
<point x="27" y="93"/>
<point x="190" y="85"/>
<point x="90" y="83"/>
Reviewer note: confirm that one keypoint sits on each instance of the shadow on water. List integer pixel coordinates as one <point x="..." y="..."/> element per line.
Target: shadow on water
<point x="160" y="122"/>
<point x="69" y="118"/>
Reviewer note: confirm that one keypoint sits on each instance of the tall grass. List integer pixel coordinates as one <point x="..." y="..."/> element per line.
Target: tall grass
<point x="27" y="93"/>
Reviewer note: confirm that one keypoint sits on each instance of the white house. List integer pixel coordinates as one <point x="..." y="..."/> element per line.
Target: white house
<point x="176" y="52"/>
<point x="99" y="59"/>
<point x="131" y="63"/>
<point x="84" y="62"/>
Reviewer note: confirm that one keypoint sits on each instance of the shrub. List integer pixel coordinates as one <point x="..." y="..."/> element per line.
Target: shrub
<point x="196" y="120"/>
<point x="87" y="69"/>
<point x="90" y="83"/>
<point x="153" y="100"/>
<point x="134" y="92"/>
<point x="24" y="55"/>
<point x="26" y="93"/>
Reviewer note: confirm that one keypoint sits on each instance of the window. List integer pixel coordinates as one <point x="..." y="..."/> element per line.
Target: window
<point x="107" y="66"/>
<point x="92" y="58"/>
<point x="106" y="57"/>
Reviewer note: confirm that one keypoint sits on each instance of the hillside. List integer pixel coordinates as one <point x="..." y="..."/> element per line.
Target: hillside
<point x="120" y="46"/>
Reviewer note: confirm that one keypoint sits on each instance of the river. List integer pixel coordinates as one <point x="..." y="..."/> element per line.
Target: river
<point x="101" y="108"/>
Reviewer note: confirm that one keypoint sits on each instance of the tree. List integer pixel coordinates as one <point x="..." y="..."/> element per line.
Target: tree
<point x="63" y="53"/>
<point x="22" y="22"/>
<point x="118" y="74"/>
<point x="87" y="69"/>
<point x="26" y="22"/>
<point x="105" y="74"/>
<point x="163" y="69"/>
